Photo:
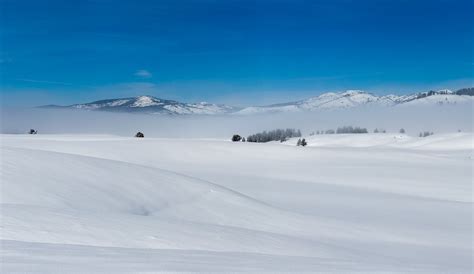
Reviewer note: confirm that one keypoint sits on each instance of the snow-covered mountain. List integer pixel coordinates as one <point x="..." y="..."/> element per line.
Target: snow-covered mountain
<point x="358" y="98"/>
<point x="151" y="105"/>
<point x="325" y="101"/>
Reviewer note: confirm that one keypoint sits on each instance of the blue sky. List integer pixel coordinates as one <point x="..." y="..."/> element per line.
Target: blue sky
<point x="240" y="52"/>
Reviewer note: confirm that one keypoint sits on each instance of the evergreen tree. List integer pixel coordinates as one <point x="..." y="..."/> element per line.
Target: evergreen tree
<point x="298" y="143"/>
<point x="303" y="142"/>
<point x="402" y="131"/>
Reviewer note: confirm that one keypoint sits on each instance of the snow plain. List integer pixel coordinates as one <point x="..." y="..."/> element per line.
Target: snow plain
<point x="346" y="203"/>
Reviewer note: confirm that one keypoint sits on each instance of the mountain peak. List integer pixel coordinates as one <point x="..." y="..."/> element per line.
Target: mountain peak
<point x="146" y="101"/>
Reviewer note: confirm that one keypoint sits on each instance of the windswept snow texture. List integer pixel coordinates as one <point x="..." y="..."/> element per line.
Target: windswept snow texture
<point x="345" y="203"/>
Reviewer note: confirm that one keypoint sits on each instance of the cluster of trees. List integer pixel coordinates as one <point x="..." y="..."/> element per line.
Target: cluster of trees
<point x="425" y="134"/>
<point x="350" y="129"/>
<point x="274" y="135"/>
<point x="301" y="142"/>
<point x="33" y="131"/>
<point x="465" y="91"/>
<point x="341" y="130"/>
<point x="284" y="134"/>
<point x="139" y="135"/>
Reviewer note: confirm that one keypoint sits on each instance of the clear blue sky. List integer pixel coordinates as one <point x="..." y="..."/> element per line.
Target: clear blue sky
<point x="241" y="52"/>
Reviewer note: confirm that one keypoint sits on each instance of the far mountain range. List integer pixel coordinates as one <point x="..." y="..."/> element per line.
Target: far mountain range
<point x="326" y="101"/>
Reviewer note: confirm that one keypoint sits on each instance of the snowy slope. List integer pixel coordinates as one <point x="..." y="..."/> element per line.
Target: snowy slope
<point x="440" y="100"/>
<point x="367" y="203"/>
<point x="374" y="140"/>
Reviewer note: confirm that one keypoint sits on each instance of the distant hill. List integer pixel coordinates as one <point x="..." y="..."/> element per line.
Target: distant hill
<point x="151" y="105"/>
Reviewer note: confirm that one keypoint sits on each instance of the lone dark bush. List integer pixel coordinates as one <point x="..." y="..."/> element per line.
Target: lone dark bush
<point x="236" y="138"/>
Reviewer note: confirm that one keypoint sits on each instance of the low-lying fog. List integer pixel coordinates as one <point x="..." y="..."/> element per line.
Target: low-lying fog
<point x="438" y="119"/>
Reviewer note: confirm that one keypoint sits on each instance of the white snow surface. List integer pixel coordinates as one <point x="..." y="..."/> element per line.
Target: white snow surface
<point x="345" y="203"/>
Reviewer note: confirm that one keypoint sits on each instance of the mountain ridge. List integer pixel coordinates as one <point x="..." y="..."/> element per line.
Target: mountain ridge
<point x="326" y="101"/>
<point x="149" y="104"/>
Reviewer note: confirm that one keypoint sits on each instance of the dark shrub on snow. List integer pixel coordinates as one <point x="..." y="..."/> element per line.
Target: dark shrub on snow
<point x="236" y="138"/>
<point x="303" y="142"/>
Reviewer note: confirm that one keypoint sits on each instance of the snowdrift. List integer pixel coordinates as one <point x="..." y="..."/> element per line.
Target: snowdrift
<point x="346" y="203"/>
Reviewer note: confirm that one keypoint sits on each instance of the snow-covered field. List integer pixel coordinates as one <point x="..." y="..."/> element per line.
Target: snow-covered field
<point x="346" y="203"/>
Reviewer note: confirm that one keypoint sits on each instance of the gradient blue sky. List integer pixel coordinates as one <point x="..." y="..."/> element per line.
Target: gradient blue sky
<point x="240" y="52"/>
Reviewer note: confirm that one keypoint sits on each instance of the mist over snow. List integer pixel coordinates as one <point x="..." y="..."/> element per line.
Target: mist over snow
<point x="439" y="119"/>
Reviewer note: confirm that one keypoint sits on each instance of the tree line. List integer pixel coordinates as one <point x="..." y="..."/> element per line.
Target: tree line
<point x="274" y="135"/>
<point x="342" y="130"/>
